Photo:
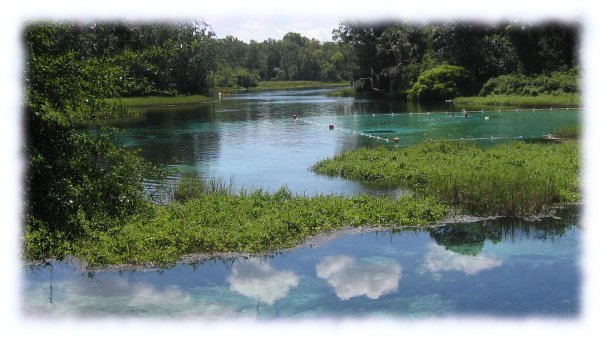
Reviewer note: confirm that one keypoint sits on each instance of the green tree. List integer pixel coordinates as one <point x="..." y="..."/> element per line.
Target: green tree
<point x="76" y="183"/>
<point x="441" y="82"/>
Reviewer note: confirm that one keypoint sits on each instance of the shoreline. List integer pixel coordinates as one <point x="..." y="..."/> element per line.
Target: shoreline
<point x="314" y="241"/>
<point x="182" y="100"/>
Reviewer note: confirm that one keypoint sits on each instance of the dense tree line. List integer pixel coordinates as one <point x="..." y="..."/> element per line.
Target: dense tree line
<point x="294" y="57"/>
<point x="403" y="52"/>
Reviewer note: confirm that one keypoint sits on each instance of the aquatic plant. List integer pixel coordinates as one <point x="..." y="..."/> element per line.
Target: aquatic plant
<point x="251" y="221"/>
<point x="515" y="179"/>
<point x="568" y="100"/>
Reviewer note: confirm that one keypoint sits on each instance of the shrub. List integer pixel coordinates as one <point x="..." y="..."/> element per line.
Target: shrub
<point x="442" y="82"/>
<point x="556" y="83"/>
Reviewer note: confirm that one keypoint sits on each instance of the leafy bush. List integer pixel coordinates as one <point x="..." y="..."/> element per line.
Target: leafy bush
<point x="245" y="78"/>
<point x="556" y="83"/>
<point x="442" y="82"/>
<point x="76" y="184"/>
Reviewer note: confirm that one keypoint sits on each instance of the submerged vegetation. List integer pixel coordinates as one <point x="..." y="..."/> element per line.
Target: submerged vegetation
<point x="516" y="179"/>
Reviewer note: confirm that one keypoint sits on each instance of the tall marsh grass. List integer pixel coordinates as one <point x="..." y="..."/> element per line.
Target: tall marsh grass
<point x="514" y="179"/>
<point x="514" y="101"/>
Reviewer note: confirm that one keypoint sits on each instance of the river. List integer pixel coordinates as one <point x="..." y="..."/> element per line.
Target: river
<point x="500" y="268"/>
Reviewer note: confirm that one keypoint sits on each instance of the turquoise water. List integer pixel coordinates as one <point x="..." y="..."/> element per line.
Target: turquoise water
<point x="498" y="268"/>
<point x="253" y="138"/>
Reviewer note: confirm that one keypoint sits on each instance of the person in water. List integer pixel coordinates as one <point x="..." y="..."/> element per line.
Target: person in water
<point x="465" y="113"/>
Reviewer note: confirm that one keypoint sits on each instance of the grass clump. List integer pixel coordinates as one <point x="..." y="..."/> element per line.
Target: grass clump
<point x="568" y="100"/>
<point x="148" y="101"/>
<point x="194" y="186"/>
<point x="344" y="92"/>
<point x="514" y="179"/>
<point x="247" y="222"/>
<point x="572" y="132"/>
<point x="275" y="85"/>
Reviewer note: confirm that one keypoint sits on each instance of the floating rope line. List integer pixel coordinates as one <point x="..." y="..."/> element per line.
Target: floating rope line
<point x="454" y="113"/>
<point x="484" y="138"/>
<point x="473" y="111"/>
<point x="337" y="128"/>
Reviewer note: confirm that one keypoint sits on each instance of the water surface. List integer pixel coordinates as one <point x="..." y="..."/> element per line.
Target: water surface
<point x="253" y="138"/>
<point x="500" y="268"/>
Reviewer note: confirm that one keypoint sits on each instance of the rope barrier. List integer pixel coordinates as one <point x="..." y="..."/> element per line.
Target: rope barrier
<point x="492" y="138"/>
<point x="387" y="140"/>
<point x="478" y="111"/>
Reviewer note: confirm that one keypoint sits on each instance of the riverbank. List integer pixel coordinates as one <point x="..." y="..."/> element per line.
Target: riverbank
<point x="515" y="101"/>
<point x="208" y="218"/>
<point x="513" y="179"/>
<point x="136" y="105"/>
<point x="286" y="85"/>
<point x="256" y="222"/>
<point x="150" y="101"/>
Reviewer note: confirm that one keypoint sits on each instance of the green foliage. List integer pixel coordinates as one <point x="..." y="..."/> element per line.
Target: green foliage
<point x="293" y="58"/>
<point x="234" y="78"/>
<point x="485" y="50"/>
<point x="573" y="132"/>
<point x="441" y="82"/>
<point x="254" y="222"/>
<point x="345" y="92"/>
<point x="513" y="101"/>
<point x="76" y="183"/>
<point x="193" y="186"/>
<point x="512" y="179"/>
<point x="556" y="83"/>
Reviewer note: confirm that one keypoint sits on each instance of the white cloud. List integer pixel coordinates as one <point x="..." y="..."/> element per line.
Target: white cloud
<point x="350" y="278"/>
<point x="108" y="296"/>
<point x="440" y="259"/>
<point x="259" y="281"/>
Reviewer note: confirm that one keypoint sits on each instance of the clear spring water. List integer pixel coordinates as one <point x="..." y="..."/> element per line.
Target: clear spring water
<point x="253" y="138"/>
<point x="497" y="268"/>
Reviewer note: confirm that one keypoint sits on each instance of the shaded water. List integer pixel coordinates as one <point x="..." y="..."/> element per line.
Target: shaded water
<point x="502" y="267"/>
<point x="254" y="139"/>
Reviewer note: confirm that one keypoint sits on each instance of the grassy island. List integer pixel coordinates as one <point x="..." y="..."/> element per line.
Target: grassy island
<point x="257" y="222"/>
<point x="514" y="179"/>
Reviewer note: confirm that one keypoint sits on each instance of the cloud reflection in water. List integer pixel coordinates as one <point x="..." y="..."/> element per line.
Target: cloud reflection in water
<point x="440" y="259"/>
<point x="351" y="278"/>
<point x="259" y="281"/>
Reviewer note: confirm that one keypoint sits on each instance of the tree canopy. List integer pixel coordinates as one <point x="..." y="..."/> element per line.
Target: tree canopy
<point x="485" y="50"/>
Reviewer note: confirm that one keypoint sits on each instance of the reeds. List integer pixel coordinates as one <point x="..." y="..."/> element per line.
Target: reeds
<point x="514" y="101"/>
<point x="514" y="179"/>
